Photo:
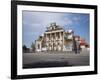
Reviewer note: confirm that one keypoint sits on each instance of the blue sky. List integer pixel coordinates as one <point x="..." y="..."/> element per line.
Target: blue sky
<point x="35" y="23"/>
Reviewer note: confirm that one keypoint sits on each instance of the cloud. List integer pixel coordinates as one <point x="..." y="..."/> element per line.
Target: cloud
<point x="45" y="18"/>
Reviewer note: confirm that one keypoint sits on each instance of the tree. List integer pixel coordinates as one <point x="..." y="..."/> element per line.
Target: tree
<point x="24" y="48"/>
<point x="33" y="47"/>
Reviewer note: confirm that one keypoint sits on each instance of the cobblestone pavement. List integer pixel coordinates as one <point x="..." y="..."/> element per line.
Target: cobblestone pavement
<point x="55" y="59"/>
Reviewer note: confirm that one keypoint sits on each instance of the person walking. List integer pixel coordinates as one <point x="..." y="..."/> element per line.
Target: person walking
<point x="78" y="47"/>
<point x="74" y="45"/>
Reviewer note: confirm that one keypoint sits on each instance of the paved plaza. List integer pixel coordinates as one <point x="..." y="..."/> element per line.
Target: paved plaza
<point x="55" y="59"/>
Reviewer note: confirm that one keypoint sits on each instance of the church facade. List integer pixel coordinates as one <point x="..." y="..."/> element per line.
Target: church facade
<point x="55" y="38"/>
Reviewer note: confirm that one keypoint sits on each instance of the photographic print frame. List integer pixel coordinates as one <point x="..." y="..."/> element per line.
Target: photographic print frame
<point x="16" y="48"/>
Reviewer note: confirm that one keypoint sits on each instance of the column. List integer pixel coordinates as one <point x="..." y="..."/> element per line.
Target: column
<point x="63" y="40"/>
<point x="50" y="41"/>
<point x="46" y="42"/>
<point x="55" y="41"/>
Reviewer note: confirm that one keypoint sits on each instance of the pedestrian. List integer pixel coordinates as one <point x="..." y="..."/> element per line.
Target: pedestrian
<point x="74" y="45"/>
<point x="78" y="47"/>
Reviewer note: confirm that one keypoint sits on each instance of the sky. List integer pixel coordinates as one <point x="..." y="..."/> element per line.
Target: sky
<point x="34" y="24"/>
